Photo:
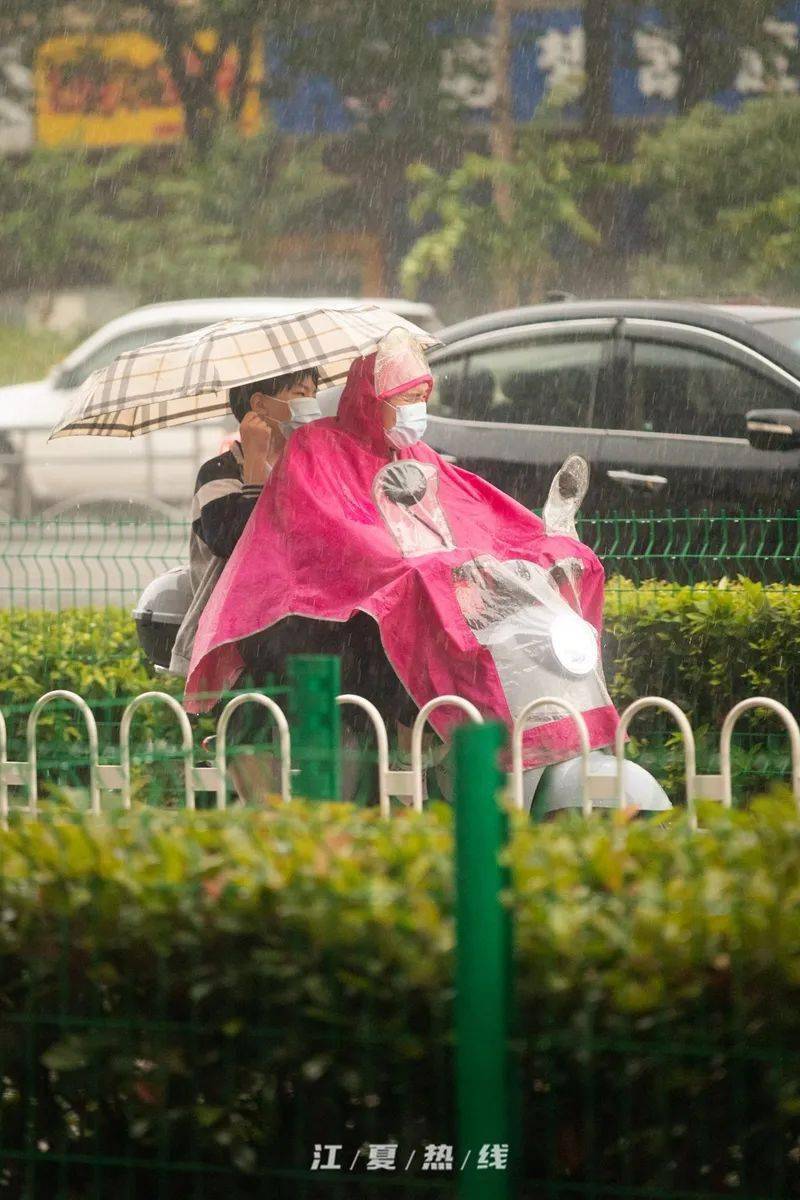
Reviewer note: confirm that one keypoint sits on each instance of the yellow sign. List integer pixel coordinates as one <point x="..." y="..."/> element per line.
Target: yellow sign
<point x="117" y="90"/>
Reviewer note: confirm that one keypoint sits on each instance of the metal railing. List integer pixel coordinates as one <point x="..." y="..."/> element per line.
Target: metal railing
<point x="70" y="562"/>
<point x="404" y="784"/>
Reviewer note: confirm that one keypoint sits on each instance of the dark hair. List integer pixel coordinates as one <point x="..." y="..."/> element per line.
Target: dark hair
<point x="239" y="397"/>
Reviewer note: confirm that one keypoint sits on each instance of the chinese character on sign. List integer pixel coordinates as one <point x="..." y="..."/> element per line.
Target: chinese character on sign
<point x="382" y="1157"/>
<point x="328" y="1163"/>
<point x="562" y="57"/>
<point x="467" y="72"/>
<point x="754" y="77"/>
<point x="493" y="1156"/>
<point x="438" y="1158"/>
<point x="660" y="59"/>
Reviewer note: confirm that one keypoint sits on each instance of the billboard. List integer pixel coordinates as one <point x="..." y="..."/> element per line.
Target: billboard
<point x="117" y="90"/>
<point x="549" y="56"/>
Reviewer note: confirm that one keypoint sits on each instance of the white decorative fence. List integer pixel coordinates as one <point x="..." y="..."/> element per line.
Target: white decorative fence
<point x="407" y="785"/>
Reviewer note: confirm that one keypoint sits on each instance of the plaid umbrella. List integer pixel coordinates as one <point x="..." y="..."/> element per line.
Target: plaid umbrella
<point x="187" y="378"/>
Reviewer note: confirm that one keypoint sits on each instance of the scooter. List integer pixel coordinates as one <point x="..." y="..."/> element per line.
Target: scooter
<point x="529" y="620"/>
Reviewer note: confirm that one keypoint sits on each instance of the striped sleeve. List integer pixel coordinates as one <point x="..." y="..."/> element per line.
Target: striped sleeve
<point x="222" y="504"/>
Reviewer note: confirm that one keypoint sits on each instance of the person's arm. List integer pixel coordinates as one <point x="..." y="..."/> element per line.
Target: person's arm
<point x="222" y="504"/>
<point x="226" y="492"/>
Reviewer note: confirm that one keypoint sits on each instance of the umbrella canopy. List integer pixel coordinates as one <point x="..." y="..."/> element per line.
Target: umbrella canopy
<point x="187" y="378"/>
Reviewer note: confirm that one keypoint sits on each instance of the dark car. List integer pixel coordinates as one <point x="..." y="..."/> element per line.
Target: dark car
<point x="678" y="406"/>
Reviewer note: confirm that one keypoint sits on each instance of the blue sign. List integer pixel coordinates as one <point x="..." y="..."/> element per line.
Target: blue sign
<point x="548" y="58"/>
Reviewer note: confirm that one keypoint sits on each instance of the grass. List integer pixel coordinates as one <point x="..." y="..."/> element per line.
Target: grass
<point x="26" y="355"/>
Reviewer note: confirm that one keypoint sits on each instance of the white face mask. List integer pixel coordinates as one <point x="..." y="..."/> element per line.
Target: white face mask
<point x="304" y="410"/>
<point x="410" y="424"/>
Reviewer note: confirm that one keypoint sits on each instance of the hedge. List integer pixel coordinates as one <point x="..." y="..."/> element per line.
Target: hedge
<point x="705" y="647"/>
<point x="191" y="1001"/>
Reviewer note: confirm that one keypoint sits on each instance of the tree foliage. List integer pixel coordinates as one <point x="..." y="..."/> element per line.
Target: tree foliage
<point x="769" y="236"/>
<point x="547" y="181"/>
<point x="180" y="228"/>
<point x="387" y="60"/>
<point x="221" y="217"/>
<point x="55" y="231"/>
<point x="719" y="186"/>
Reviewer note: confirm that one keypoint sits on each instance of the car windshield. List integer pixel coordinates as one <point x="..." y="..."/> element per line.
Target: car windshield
<point x="132" y="339"/>
<point x="785" y="330"/>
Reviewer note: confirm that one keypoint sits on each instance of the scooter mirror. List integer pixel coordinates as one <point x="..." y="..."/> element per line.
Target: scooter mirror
<point x="566" y="495"/>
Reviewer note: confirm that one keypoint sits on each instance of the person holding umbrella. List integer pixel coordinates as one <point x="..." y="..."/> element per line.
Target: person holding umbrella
<point x="229" y="485"/>
<point x="269" y="367"/>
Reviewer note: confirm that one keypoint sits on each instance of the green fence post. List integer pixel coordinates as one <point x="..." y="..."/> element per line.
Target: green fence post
<point x="314" y="721"/>
<point x="483" y="970"/>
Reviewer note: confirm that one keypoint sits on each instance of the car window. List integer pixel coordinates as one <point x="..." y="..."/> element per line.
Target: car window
<point x="544" y="381"/>
<point x="677" y="389"/>
<point x="130" y="340"/>
<point x="447" y="377"/>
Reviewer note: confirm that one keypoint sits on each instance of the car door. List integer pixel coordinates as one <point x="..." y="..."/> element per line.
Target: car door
<point x="681" y="436"/>
<point x="512" y="404"/>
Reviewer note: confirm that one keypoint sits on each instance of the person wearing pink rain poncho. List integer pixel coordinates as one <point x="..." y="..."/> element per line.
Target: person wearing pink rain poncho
<point x="425" y="572"/>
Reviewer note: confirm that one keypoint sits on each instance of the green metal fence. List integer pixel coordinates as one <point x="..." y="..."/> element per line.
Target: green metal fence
<point x="70" y="568"/>
<point x="694" y="549"/>
<point x="67" y="563"/>
<point x="313" y="1004"/>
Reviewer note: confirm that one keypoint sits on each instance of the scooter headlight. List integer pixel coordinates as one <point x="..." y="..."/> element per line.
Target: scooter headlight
<point x="574" y="643"/>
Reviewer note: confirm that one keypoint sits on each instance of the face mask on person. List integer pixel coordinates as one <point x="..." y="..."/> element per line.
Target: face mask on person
<point x="304" y="410"/>
<point x="410" y="424"/>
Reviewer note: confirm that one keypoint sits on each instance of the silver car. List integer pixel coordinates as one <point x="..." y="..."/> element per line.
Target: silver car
<point x="157" y="471"/>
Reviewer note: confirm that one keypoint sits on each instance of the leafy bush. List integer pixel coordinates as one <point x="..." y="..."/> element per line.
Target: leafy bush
<point x="199" y="999"/>
<point x="93" y="652"/>
<point x="714" y="181"/>
<point x="68" y="219"/>
<point x="705" y="647"/>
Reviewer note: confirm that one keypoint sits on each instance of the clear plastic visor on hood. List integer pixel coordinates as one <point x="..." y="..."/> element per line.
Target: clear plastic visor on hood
<point x="400" y="365"/>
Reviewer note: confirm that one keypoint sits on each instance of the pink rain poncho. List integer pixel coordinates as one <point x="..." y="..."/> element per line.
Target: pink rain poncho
<point x="465" y="585"/>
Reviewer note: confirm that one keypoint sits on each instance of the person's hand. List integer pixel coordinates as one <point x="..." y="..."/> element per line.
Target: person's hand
<point x="257" y="447"/>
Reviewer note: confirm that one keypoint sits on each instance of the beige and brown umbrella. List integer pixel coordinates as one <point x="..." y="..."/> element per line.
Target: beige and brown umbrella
<point x="188" y="378"/>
